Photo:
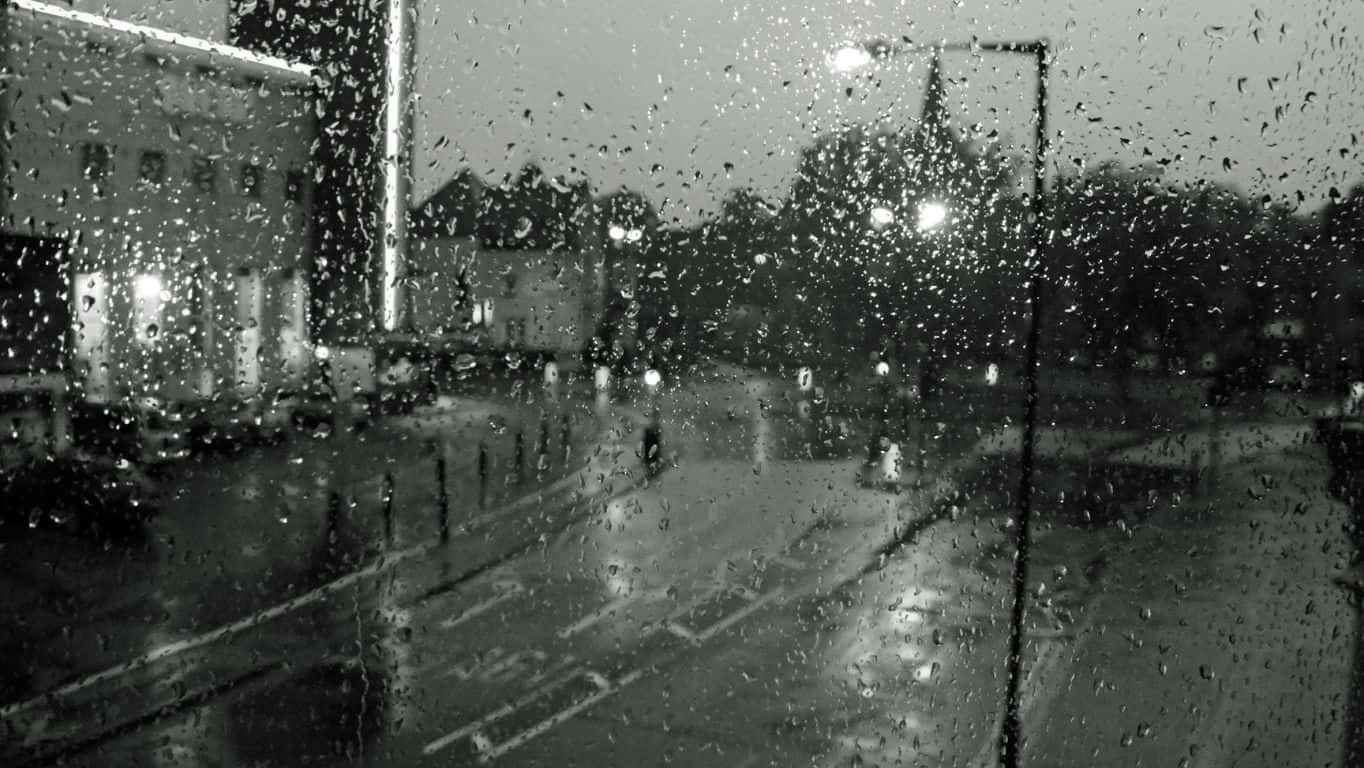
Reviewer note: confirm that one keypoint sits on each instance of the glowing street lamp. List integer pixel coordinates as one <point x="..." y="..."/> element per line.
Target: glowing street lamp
<point x="616" y="232"/>
<point x="147" y="287"/>
<point x="932" y="215"/>
<point x="882" y="216"/>
<point x="849" y="58"/>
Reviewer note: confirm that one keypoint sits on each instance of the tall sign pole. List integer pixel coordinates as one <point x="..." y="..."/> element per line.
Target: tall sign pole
<point x="401" y="23"/>
<point x="1011" y="734"/>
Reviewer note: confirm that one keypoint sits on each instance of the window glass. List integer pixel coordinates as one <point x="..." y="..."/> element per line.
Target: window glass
<point x="681" y="382"/>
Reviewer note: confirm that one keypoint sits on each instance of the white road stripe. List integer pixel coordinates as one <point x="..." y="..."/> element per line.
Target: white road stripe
<point x="606" y="611"/>
<point x="497" y="714"/>
<point x="605" y="689"/>
<point x="506" y="592"/>
<point x="738" y="616"/>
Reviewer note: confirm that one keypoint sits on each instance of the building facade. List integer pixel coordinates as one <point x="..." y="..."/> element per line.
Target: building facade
<point x="347" y="41"/>
<point x="175" y="174"/>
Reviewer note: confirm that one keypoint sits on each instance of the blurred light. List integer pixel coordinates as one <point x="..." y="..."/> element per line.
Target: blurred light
<point x="882" y="216"/>
<point x="1355" y="399"/>
<point x="883" y="368"/>
<point x="634" y="235"/>
<point x="760" y="259"/>
<point x="601" y="378"/>
<point x="551" y="373"/>
<point x="652" y="378"/>
<point x="931" y="215"/>
<point x="616" y="232"/>
<point x="487" y="313"/>
<point x="147" y="287"/>
<point x="805" y="379"/>
<point x="476" y="314"/>
<point x="322" y="352"/>
<point x="992" y="374"/>
<point x="849" y="58"/>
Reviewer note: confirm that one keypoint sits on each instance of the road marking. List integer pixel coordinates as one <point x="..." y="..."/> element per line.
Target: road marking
<point x="680" y="631"/>
<point x="497" y="714"/>
<point x="605" y="689"/>
<point x="385" y="563"/>
<point x="787" y="562"/>
<point x="738" y="615"/>
<point x="606" y="611"/>
<point x="506" y="590"/>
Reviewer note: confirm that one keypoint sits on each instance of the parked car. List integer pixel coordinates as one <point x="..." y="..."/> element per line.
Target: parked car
<point x="146" y="431"/>
<point x="80" y="492"/>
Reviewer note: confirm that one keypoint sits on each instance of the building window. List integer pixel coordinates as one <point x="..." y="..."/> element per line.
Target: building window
<point x="204" y="174"/>
<point x="151" y="167"/>
<point x="516" y="333"/>
<point x="95" y="162"/>
<point x="251" y="180"/>
<point x="294" y="181"/>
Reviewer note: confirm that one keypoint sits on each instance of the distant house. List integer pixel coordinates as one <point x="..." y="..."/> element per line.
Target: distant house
<point x="520" y="265"/>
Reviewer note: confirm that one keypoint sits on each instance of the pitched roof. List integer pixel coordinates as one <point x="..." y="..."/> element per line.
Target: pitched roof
<point x="451" y="211"/>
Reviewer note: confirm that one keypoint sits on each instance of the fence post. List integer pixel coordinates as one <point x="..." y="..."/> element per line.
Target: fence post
<point x="388" y="510"/>
<point x="482" y="475"/>
<point x="1214" y="447"/>
<point x="442" y="495"/>
<point x="542" y="445"/>
<point x="653" y="443"/>
<point x="333" y="517"/>
<point x="565" y="436"/>
<point x="519" y="456"/>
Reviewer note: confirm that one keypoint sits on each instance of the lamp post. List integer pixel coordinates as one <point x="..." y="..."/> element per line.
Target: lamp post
<point x="850" y="58"/>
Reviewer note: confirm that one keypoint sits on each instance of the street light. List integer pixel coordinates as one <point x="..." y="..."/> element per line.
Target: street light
<point x="932" y="215"/>
<point x="850" y="58"/>
<point x="882" y="216"/>
<point x="616" y="232"/>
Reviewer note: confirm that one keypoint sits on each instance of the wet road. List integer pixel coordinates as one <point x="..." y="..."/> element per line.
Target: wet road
<point x="751" y="606"/>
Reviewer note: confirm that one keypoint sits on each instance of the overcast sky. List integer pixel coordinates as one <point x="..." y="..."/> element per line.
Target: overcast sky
<point x="684" y="99"/>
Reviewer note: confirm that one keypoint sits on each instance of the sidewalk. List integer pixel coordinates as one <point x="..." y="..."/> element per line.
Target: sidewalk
<point x="298" y="626"/>
<point x="243" y="533"/>
<point x="1220" y="638"/>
